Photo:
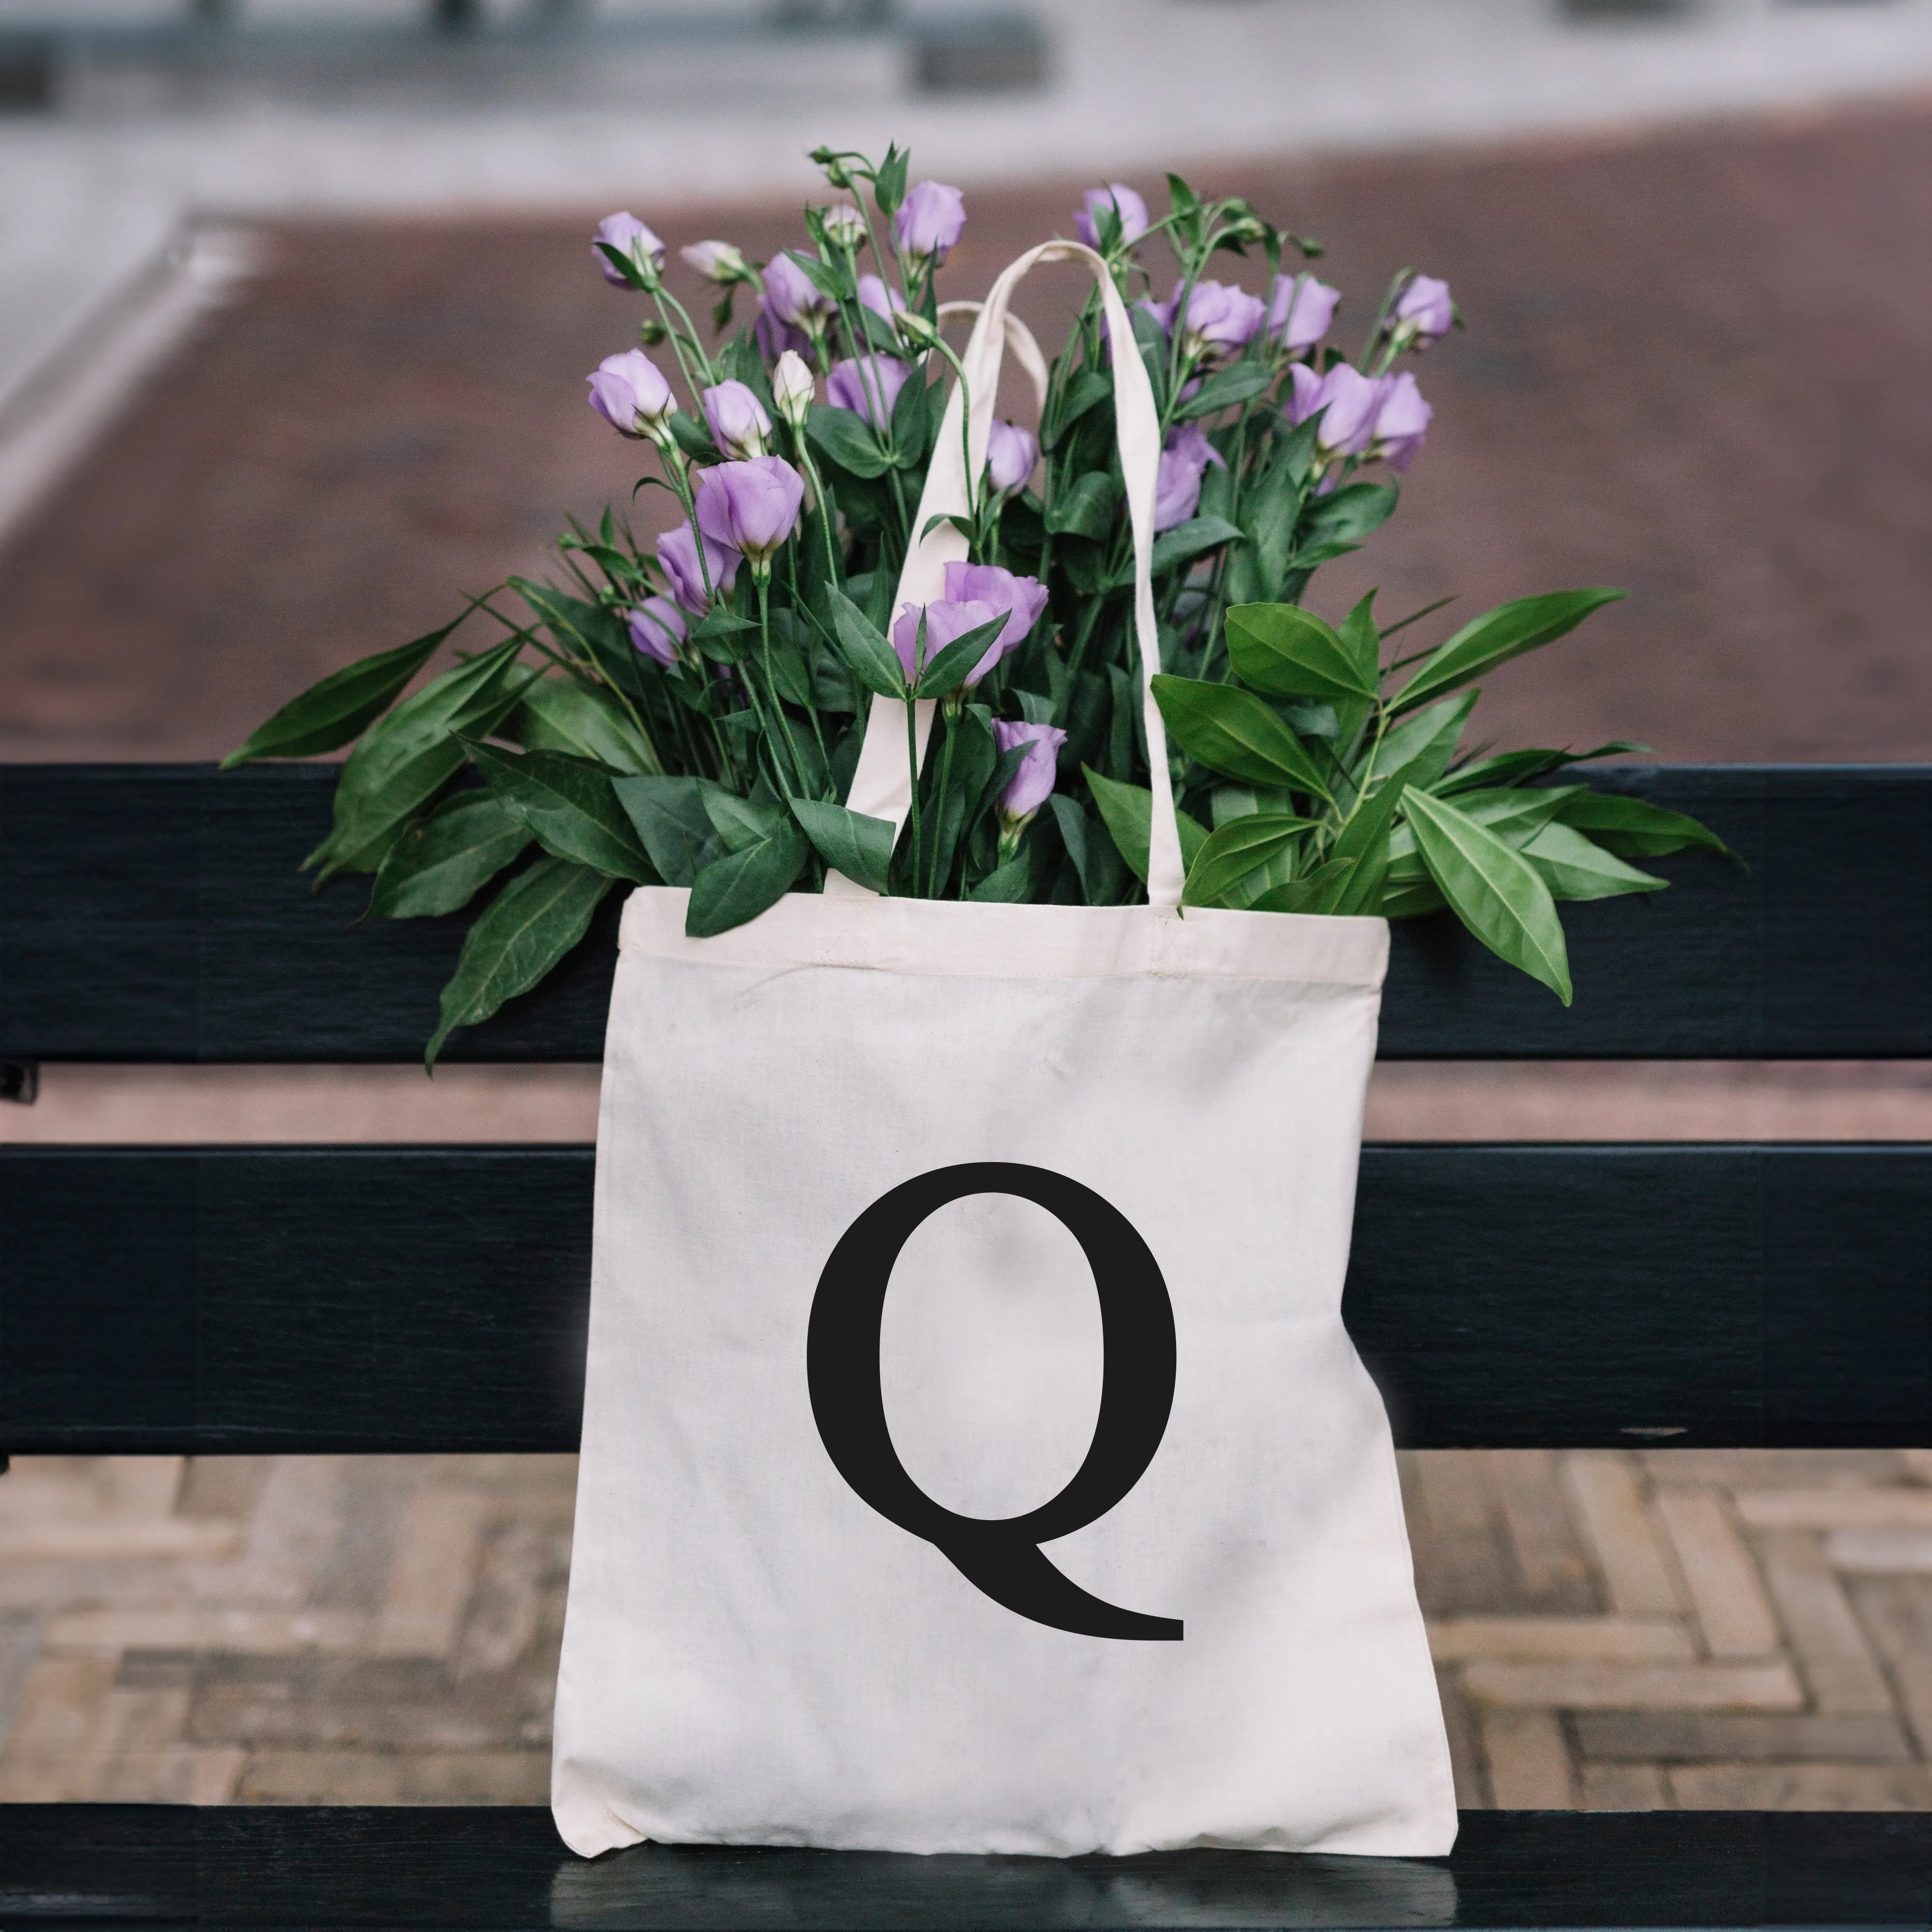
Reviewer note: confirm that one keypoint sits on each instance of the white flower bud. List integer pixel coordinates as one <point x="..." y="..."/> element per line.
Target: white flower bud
<point x="792" y="388"/>
<point x="844" y="226"/>
<point x="915" y="330"/>
<point x="717" y="261"/>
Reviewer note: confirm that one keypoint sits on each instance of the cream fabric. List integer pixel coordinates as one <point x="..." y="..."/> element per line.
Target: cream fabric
<point x="1153" y="1112"/>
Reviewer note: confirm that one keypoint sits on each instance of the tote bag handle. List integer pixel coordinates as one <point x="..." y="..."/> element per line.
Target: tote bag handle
<point x="882" y="784"/>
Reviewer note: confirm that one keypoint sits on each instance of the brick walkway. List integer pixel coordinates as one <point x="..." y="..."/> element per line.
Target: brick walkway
<point x="1618" y="1631"/>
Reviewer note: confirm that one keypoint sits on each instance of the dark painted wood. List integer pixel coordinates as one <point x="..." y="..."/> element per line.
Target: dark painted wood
<point x="153" y="913"/>
<point x="340" y="1299"/>
<point x="272" y="1869"/>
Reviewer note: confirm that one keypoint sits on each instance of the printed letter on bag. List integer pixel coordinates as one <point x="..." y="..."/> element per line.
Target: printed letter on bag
<point x="1001" y="1557"/>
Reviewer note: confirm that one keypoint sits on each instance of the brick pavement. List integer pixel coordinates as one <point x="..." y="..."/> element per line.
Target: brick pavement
<point x="1615" y="1630"/>
<point x="1695" y="365"/>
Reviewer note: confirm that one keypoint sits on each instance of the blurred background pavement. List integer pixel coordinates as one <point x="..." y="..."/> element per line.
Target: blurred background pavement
<point x="296" y="301"/>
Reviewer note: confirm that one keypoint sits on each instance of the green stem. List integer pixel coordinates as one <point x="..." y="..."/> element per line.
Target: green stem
<point x="761" y="578"/>
<point x="933" y="882"/>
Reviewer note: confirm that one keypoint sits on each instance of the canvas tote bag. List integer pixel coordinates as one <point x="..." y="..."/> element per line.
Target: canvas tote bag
<point x="973" y="1457"/>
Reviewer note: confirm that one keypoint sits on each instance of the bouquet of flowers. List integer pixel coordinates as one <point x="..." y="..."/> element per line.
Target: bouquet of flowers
<point x="692" y="715"/>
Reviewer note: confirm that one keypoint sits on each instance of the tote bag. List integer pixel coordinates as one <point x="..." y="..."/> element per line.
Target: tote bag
<point x="973" y="1457"/>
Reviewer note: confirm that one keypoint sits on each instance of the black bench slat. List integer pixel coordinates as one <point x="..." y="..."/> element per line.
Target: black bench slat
<point x="395" y="1299"/>
<point x="153" y="913"/>
<point x="492" y="1870"/>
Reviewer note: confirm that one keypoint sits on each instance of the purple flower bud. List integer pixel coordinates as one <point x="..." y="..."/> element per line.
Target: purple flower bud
<point x="1424" y="314"/>
<point x="947" y="620"/>
<point x="774" y="337"/>
<point x="1032" y="785"/>
<point x="738" y="420"/>
<point x="1011" y="454"/>
<point x="930" y="221"/>
<point x="751" y="506"/>
<point x="868" y="385"/>
<point x="1177" y="489"/>
<point x="1351" y="400"/>
<point x="1222" y="319"/>
<point x="677" y="553"/>
<point x="657" y="628"/>
<point x="791" y="294"/>
<point x="1132" y="211"/>
<point x="1023" y="599"/>
<point x="874" y="295"/>
<point x="630" y="393"/>
<point x="1402" y="423"/>
<point x="630" y="237"/>
<point x="1302" y="309"/>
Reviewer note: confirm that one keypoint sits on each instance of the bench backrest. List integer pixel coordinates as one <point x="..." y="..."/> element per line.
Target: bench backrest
<point x="357" y="1299"/>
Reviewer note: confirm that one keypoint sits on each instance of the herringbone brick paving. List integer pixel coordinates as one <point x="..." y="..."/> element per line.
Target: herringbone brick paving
<point x="1615" y="1630"/>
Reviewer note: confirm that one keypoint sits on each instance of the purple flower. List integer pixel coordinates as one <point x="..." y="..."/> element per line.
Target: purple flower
<point x="1352" y="401"/>
<point x="947" y="620"/>
<point x="1300" y="311"/>
<point x="1120" y="198"/>
<point x="1023" y="599"/>
<point x="868" y="385"/>
<point x="791" y="296"/>
<point x="657" y="628"/>
<point x="751" y="506"/>
<point x="1011" y="454"/>
<point x="1032" y="785"/>
<point x="629" y="237"/>
<point x="677" y="553"/>
<point x="875" y="296"/>
<point x="930" y="221"/>
<point x="1177" y="489"/>
<point x="738" y="420"/>
<point x="1402" y="422"/>
<point x="630" y="393"/>
<point x="1424" y="314"/>
<point x="1222" y="319"/>
<point x="774" y="336"/>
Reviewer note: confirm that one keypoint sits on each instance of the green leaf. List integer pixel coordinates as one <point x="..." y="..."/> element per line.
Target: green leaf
<point x="910" y="411"/>
<point x="1367" y="837"/>
<point x="1068" y="404"/>
<point x="1428" y="741"/>
<point x="1236" y="852"/>
<point x="1102" y="875"/>
<point x="1086" y="510"/>
<point x="693" y="437"/>
<point x="848" y="842"/>
<point x="738" y="886"/>
<point x="1634" y="829"/>
<point x="946" y="670"/>
<point x="1187" y="541"/>
<point x="440" y="862"/>
<point x="327" y="715"/>
<point x="1513" y="813"/>
<point x="670" y="819"/>
<point x="741" y="823"/>
<point x="1287" y="651"/>
<point x="1233" y="733"/>
<point x="828" y="278"/>
<point x="844" y="435"/>
<point x="873" y="661"/>
<point x="522" y="933"/>
<point x="406" y="758"/>
<point x="1317" y="892"/>
<point x="1127" y="812"/>
<point x="1498" y="894"/>
<point x="1346" y="516"/>
<point x="1240" y="384"/>
<point x="1009" y="885"/>
<point x="558" y="714"/>
<point x="568" y="806"/>
<point x="1499" y="635"/>
<point x="1412" y="901"/>
<point x="1364" y="641"/>
<point x="1573" y="868"/>
<point x="889" y="183"/>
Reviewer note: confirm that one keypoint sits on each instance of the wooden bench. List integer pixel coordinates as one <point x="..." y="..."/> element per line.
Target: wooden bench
<point x="341" y="1299"/>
